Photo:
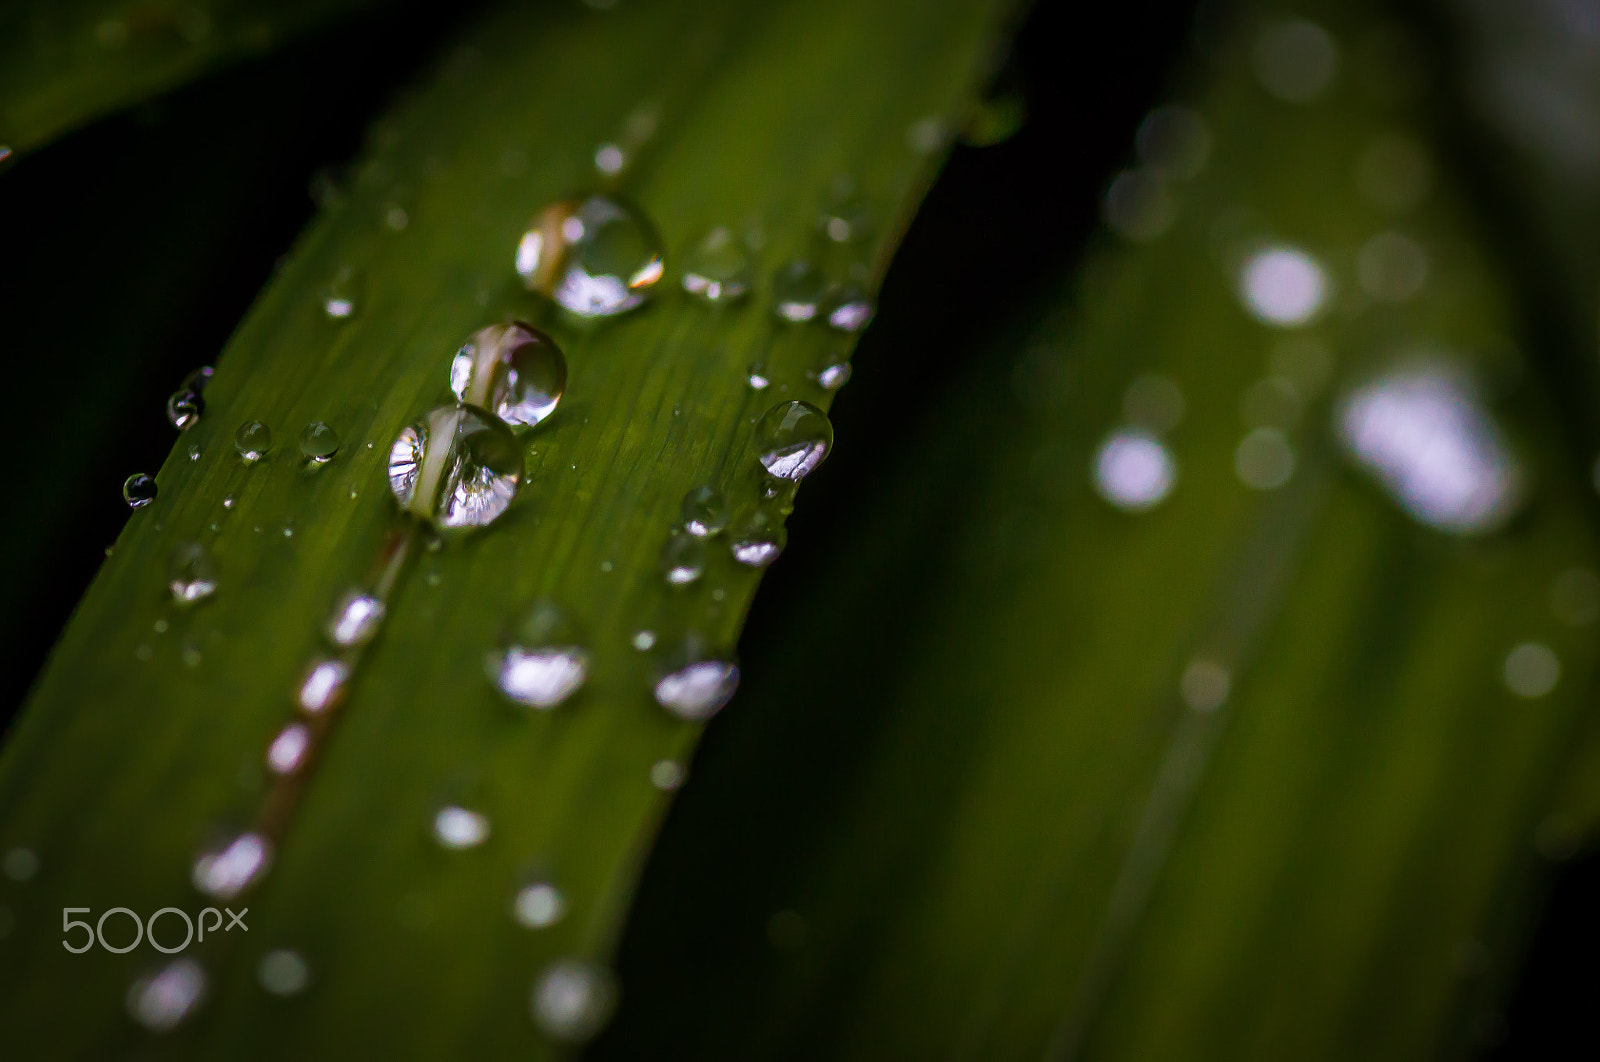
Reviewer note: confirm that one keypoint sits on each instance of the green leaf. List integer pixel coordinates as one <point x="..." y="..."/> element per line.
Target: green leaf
<point x="992" y="826"/>
<point x="411" y="948"/>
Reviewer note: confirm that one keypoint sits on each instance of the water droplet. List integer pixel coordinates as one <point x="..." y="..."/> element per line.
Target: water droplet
<point x="457" y="467"/>
<point x="1392" y="266"/>
<point x="226" y="871"/>
<point x="456" y="827"/>
<point x="288" y="749"/>
<point x="758" y="536"/>
<point x="1575" y="596"/>
<point x="513" y="370"/>
<point x="718" y="269"/>
<point x="253" y="440"/>
<point x="835" y="374"/>
<point x="139" y="490"/>
<point x="1133" y="470"/>
<point x="1139" y="206"/>
<point x="538" y="905"/>
<point x="544" y="661"/>
<point x="1264" y="460"/>
<point x="705" y="512"/>
<point x="283" y="973"/>
<point x="184" y="408"/>
<point x="644" y="640"/>
<point x="758" y="379"/>
<point x="1174" y="141"/>
<point x="666" y="775"/>
<point x="161" y="1002"/>
<point x="1395" y="172"/>
<point x="683" y="559"/>
<point x="355" y="618"/>
<point x="849" y="309"/>
<point x="1154" y="402"/>
<point x="1283" y="286"/>
<point x="1295" y="60"/>
<point x="318" y="442"/>
<point x="1422" y="432"/>
<point x="20" y="864"/>
<point x="693" y="683"/>
<point x="798" y="289"/>
<point x="227" y="501"/>
<point x="324" y="686"/>
<point x="596" y="257"/>
<point x="340" y="298"/>
<point x="846" y="217"/>
<point x="194" y="453"/>
<point x="1531" y="670"/>
<point x="792" y="439"/>
<point x="194" y="576"/>
<point x="573" y="999"/>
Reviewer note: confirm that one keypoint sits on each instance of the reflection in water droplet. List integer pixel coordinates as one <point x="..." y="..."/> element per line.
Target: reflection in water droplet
<point x="161" y="1002"/>
<point x="596" y="257"/>
<point x="1531" y="670"/>
<point x="283" y="973"/>
<point x="1392" y="266"/>
<point x="849" y="309"/>
<point x="139" y="490"/>
<point x="544" y="661"/>
<point x="513" y="370"/>
<point x="20" y="864"/>
<point x="538" y="905"/>
<point x="194" y="576"/>
<point x="758" y="536"/>
<point x="705" y="512"/>
<point x="340" y="298"/>
<point x="458" y="467"/>
<point x="318" y="442"/>
<point x="1154" y="402"/>
<point x="845" y="217"/>
<point x="1575" y="596"/>
<point x="666" y="775"/>
<point x="253" y="440"/>
<point x="184" y="408"/>
<point x="456" y="827"/>
<point x="1264" y="460"/>
<point x="288" y="749"/>
<point x="1295" y="60"/>
<point x="1133" y="470"/>
<point x="692" y="683"/>
<point x="355" y="618"/>
<point x="1424" y="434"/>
<point x="1283" y="286"/>
<point x="683" y="559"/>
<point x="718" y="270"/>
<point x="573" y="999"/>
<point x="324" y="686"/>
<point x="758" y="379"/>
<point x="1139" y="206"/>
<point x="798" y="289"/>
<point x="1174" y="141"/>
<point x="225" y="872"/>
<point x="792" y="439"/>
<point x="1395" y="172"/>
<point x="836" y="373"/>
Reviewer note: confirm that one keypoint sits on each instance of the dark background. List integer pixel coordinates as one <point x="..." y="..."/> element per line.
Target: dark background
<point x="225" y="166"/>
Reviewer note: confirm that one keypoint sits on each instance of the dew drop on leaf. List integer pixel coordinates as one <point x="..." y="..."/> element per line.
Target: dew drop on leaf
<point x="355" y="618"/>
<point x="758" y="536"/>
<point x="318" y="442"/>
<point x="193" y="574"/>
<point x="543" y="663"/>
<point x="161" y="1001"/>
<point x="792" y="439"/>
<point x="596" y="257"/>
<point x="253" y="440"/>
<point x="718" y="269"/>
<point x="139" y="490"/>
<point x="683" y="558"/>
<point x="513" y="370"/>
<point x="705" y="512"/>
<point x="798" y="289"/>
<point x="458" y="467"/>
<point x="692" y="682"/>
<point x="538" y="904"/>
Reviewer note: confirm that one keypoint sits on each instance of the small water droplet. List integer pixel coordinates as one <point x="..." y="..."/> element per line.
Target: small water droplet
<point x="666" y="775"/>
<point x="693" y="683"/>
<point x="341" y="297"/>
<point x="718" y="270"/>
<point x="355" y="618"/>
<point x="194" y="576"/>
<point x="1205" y="685"/>
<point x="644" y="640"/>
<point x="798" y="289"/>
<point x="845" y="217"/>
<point x="227" y="501"/>
<point x="194" y="453"/>
<point x="835" y="373"/>
<point x="849" y="309"/>
<point x="1295" y="60"/>
<point x="139" y="490"/>
<point x="1133" y="470"/>
<point x="1531" y="670"/>
<point x="253" y="440"/>
<point x="758" y="536"/>
<point x="573" y="999"/>
<point x="705" y="512"/>
<point x="283" y="973"/>
<point x="758" y="379"/>
<point x="20" y="864"/>
<point x="1154" y="402"/>
<point x="1264" y="459"/>
<point x="1283" y="286"/>
<point x="288" y="750"/>
<point x="683" y="558"/>
<point x="543" y="662"/>
<point x="161" y="1002"/>
<point x="1575" y="596"/>
<point x="457" y="467"/>
<point x="224" y="872"/>
<point x="1174" y="141"/>
<point x="456" y="827"/>
<point x="596" y="257"/>
<point x="184" y="408"/>
<point x="324" y="686"/>
<point x="792" y="439"/>
<point x="318" y="443"/>
<point x="538" y="904"/>
<point x="513" y="370"/>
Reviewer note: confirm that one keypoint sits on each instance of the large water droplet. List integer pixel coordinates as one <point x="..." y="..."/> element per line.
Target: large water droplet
<point x="798" y="289"/>
<point x="1425" y="435"/>
<point x="758" y="536"/>
<point x="596" y="257"/>
<point x="253" y="440"/>
<point x="1133" y="470"/>
<point x="457" y="467"/>
<point x="792" y="439"/>
<point x="224" y="872"/>
<point x="355" y="618"/>
<point x="283" y="973"/>
<point x="318" y="442"/>
<point x="573" y="999"/>
<point x="139" y="490"/>
<point x="162" y="1001"/>
<point x="544" y="661"/>
<point x="194" y="576"/>
<point x="693" y="683"/>
<point x="456" y="827"/>
<point x="683" y="559"/>
<point x="184" y="408"/>
<point x="538" y="904"/>
<point x="718" y="270"/>
<point x="705" y="512"/>
<point x="513" y="370"/>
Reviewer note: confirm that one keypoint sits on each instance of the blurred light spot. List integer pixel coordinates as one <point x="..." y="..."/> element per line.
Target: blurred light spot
<point x="538" y="905"/>
<point x="666" y="775"/>
<point x="1264" y="459"/>
<point x="1422" y="432"/>
<point x="1531" y="670"/>
<point x="1174" y="141"/>
<point x="1205" y="685"/>
<point x="609" y="159"/>
<point x="1392" y="266"/>
<point x="928" y="135"/>
<point x="1138" y="205"/>
<point x="20" y="864"/>
<point x="224" y="873"/>
<point x="1133" y="470"/>
<point x="1295" y="60"/>
<point x="456" y="827"/>
<point x="573" y="1000"/>
<point x="324" y="685"/>
<point x="1395" y="172"/>
<point x="1283" y="286"/>
<point x="160" y="1003"/>
<point x="288" y="749"/>
<point x="1575" y="596"/>
<point x="1153" y="402"/>
<point x="283" y="973"/>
